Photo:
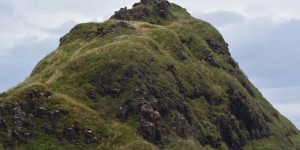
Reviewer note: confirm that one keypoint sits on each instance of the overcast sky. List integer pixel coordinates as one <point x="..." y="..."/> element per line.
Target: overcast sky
<point x="264" y="38"/>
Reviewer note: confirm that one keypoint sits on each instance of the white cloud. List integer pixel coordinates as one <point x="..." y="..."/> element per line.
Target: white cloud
<point x="221" y="18"/>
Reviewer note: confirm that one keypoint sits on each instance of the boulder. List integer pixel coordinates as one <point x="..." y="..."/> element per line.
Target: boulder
<point x="150" y="124"/>
<point x="122" y="113"/>
<point x="122" y="14"/>
<point x="90" y="138"/>
<point x="179" y="125"/>
<point x="163" y="8"/>
<point x="48" y="129"/>
<point x="19" y="117"/>
<point x="148" y="130"/>
<point x="20" y="137"/>
<point x="3" y="124"/>
<point x="71" y="133"/>
<point x="54" y="117"/>
<point x="42" y="113"/>
<point x="3" y="110"/>
<point x="147" y="2"/>
<point x="155" y="116"/>
<point x="101" y="32"/>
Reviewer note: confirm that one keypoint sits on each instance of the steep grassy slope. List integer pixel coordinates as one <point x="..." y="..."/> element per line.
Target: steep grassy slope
<point x="151" y="77"/>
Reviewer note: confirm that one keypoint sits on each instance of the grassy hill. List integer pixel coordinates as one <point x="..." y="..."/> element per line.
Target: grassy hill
<point x="150" y="77"/>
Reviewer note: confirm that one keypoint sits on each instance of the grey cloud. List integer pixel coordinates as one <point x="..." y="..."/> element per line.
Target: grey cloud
<point x="22" y="60"/>
<point x="220" y="18"/>
<point x="268" y="52"/>
<point x="6" y="7"/>
<point x="291" y="111"/>
<point x="291" y="95"/>
<point x="60" y="31"/>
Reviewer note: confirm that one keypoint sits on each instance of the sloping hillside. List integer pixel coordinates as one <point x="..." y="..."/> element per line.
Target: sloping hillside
<point x="151" y="77"/>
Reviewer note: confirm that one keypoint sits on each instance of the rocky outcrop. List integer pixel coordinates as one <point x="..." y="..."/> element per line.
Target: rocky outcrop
<point x="122" y="113"/>
<point x="152" y="76"/>
<point x="150" y="125"/>
<point x="24" y="113"/>
<point x="254" y="121"/>
<point x="147" y="2"/>
<point x="218" y="46"/>
<point x="163" y="8"/>
<point x="102" y="31"/>
<point x="26" y="116"/>
<point x="179" y="125"/>
<point x="145" y="10"/>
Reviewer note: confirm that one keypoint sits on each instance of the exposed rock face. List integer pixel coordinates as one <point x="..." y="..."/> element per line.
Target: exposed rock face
<point x="179" y="125"/>
<point x="8" y="139"/>
<point x="163" y="7"/>
<point x="103" y="31"/>
<point x="54" y="117"/>
<point x="150" y="124"/>
<point x="115" y="28"/>
<point x="150" y="77"/>
<point x="42" y="113"/>
<point x="90" y="138"/>
<point x="147" y="2"/>
<point x="144" y="10"/>
<point x="122" y="113"/>
<point x="27" y="113"/>
<point x="257" y="128"/>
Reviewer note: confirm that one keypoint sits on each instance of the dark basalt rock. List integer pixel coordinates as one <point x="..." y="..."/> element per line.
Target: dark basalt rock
<point x="122" y="113"/>
<point x="163" y="8"/>
<point x="148" y="130"/>
<point x="254" y="121"/>
<point x="19" y="117"/>
<point x="73" y="134"/>
<point x="218" y="46"/>
<point x="148" y="113"/>
<point x="3" y="124"/>
<point x="54" y="117"/>
<point x="147" y="2"/>
<point x="143" y="10"/>
<point x="122" y="14"/>
<point x="90" y="138"/>
<point x="70" y="134"/>
<point x="101" y="31"/>
<point x="169" y="82"/>
<point x="150" y="124"/>
<point x="231" y="134"/>
<point x="8" y="139"/>
<point x="208" y="57"/>
<point x="48" y="129"/>
<point x="179" y="125"/>
<point x="42" y="113"/>
<point x="233" y="63"/>
<point x="25" y="115"/>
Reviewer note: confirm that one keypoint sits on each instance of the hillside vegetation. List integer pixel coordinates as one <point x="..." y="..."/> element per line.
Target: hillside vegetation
<point x="150" y="77"/>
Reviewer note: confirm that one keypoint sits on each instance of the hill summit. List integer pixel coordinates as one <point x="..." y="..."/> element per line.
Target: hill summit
<point x="150" y="77"/>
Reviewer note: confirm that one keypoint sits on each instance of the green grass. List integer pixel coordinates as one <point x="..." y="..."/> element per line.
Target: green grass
<point x="147" y="58"/>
